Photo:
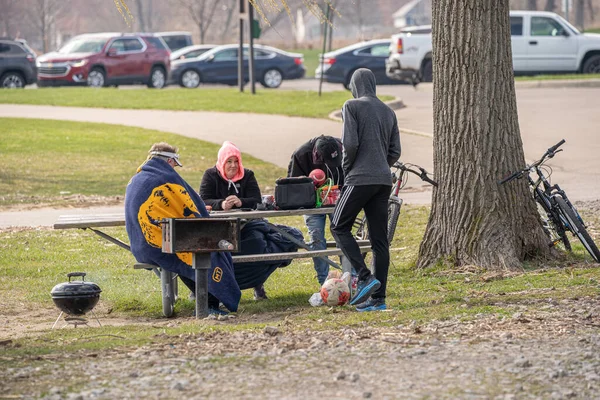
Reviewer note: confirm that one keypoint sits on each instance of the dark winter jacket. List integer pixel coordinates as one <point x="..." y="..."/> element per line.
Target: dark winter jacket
<point x="214" y="189"/>
<point x="370" y="134"/>
<point x="303" y="162"/>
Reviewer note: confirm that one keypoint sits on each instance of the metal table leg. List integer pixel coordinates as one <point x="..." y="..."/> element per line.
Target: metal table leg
<point x="201" y="264"/>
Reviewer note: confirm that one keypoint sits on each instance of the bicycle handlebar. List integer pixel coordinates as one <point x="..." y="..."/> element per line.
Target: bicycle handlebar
<point x="423" y="174"/>
<point x="553" y="148"/>
<point x="548" y="154"/>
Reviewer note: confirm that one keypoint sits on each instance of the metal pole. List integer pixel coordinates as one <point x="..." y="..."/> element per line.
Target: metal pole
<point x="201" y="264"/>
<point x="323" y="54"/>
<point x="251" y="49"/>
<point x="241" y="48"/>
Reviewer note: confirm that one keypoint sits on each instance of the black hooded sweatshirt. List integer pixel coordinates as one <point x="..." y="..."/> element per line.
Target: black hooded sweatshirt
<point x="370" y="134"/>
<point x="303" y="162"/>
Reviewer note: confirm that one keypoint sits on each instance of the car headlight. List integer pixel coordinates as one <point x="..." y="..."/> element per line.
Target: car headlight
<point x="38" y="63"/>
<point x="79" y="63"/>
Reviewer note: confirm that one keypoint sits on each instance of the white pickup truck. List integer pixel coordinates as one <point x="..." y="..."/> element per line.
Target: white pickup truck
<point x="542" y="42"/>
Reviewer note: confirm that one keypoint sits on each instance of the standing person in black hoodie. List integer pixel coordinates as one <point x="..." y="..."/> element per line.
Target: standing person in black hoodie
<point x="324" y="153"/>
<point x="371" y="143"/>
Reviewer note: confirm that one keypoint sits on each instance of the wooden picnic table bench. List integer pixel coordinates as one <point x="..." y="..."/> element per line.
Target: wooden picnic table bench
<point x="94" y="222"/>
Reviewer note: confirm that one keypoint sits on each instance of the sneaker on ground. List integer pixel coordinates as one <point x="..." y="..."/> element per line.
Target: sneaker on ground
<point x="217" y="311"/>
<point x="260" y="293"/>
<point x="212" y="311"/>
<point x="372" y="305"/>
<point x="364" y="289"/>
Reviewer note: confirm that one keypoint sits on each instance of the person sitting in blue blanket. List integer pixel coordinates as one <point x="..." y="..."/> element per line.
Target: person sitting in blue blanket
<point x="155" y="192"/>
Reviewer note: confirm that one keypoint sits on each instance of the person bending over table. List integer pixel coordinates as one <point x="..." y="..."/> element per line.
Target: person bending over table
<point x="325" y="153"/>
<point x="155" y="192"/>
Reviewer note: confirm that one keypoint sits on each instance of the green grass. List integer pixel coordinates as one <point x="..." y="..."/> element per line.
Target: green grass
<point x="311" y="59"/>
<point x="41" y="258"/>
<point x="283" y="102"/>
<point x="592" y="30"/>
<point x="45" y="161"/>
<point x="41" y="158"/>
<point x="556" y="77"/>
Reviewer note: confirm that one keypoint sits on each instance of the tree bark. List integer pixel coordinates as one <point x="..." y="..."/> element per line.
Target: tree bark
<point x="550" y="5"/>
<point x="140" y="13"/>
<point x="580" y="14"/>
<point x="473" y="219"/>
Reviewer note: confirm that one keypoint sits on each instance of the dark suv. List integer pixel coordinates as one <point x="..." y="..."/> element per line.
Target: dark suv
<point x="17" y="64"/>
<point x="105" y="59"/>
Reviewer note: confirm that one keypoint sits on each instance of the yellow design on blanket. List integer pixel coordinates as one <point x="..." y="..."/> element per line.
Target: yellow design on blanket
<point x="166" y="201"/>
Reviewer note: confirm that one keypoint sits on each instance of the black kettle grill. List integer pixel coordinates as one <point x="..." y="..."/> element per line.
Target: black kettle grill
<point x="75" y="297"/>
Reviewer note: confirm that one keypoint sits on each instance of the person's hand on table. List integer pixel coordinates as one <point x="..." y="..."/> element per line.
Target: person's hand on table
<point x="230" y="202"/>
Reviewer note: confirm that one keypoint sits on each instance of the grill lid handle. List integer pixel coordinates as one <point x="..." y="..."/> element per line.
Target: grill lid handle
<point x="72" y="274"/>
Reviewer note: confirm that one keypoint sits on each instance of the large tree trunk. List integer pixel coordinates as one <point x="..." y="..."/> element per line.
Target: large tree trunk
<point x="476" y="142"/>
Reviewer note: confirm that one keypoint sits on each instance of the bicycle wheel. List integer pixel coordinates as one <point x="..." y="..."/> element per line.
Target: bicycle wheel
<point x="553" y="227"/>
<point x="577" y="227"/>
<point x="362" y="230"/>
<point x="393" y="214"/>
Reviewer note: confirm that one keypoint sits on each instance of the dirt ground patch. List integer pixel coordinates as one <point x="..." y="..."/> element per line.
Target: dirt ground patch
<point x="545" y="349"/>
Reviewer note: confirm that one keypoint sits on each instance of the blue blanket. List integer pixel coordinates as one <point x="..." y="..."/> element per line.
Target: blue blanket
<point x="258" y="237"/>
<point x="158" y="192"/>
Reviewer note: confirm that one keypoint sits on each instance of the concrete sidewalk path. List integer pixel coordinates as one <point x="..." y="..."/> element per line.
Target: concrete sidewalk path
<point x="272" y="138"/>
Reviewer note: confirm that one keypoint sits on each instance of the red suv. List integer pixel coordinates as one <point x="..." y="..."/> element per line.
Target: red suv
<point x="103" y="59"/>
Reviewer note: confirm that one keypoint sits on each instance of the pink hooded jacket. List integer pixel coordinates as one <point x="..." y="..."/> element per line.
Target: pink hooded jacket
<point x="229" y="150"/>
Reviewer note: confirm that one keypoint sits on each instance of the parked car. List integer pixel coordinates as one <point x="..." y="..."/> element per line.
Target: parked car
<point x="220" y="65"/>
<point x="103" y="59"/>
<point x="176" y="40"/>
<point x="17" y="64"/>
<point x="542" y="42"/>
<point x="191" y="51"/>
<point x="339" y="65"/>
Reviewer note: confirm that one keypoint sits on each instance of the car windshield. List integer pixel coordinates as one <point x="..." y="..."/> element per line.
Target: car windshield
<point x="83" y="46"/>
<point x="568" y="24"/>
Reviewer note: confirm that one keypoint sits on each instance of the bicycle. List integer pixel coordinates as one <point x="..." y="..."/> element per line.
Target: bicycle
<point x="558" y="215"/>
<point x="394" y="202"/>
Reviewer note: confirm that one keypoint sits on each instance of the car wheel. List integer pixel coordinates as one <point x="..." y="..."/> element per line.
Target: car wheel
<point x="592" y="65"/>
<point x="158" y="78"/>
<point x="12" y="80"/>
<point x="96" y="78"/>
<point x="272" y="79"/>
<point x="190" y="79"/>
<point x="427" y="71"/>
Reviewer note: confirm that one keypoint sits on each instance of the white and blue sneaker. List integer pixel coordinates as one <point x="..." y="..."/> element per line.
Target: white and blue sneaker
<point x="372" y="305"/>
<point x="364" y="289"/>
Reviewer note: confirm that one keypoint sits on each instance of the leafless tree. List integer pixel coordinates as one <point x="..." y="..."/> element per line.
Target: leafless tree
<point x="9" y="15"/>
<point x="229" y="8"/>
<point x="532" y="5"/>
<point x="476" y="142"/>
<point x="43" y="14"/>
<point x="580" y="14"/>
<point x="201" y="12"/>
<point x="145" y="15"/>
<point x="550" y="5"/>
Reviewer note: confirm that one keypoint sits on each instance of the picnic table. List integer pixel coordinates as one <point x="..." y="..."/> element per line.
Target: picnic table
<point x="95" y="222"/>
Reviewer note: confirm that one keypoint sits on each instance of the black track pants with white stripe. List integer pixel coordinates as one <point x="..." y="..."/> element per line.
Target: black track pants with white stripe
<point x="373" y="199"/>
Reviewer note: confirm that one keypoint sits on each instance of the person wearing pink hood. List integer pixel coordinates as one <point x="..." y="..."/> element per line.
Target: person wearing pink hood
<point x="228" y="184"/>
